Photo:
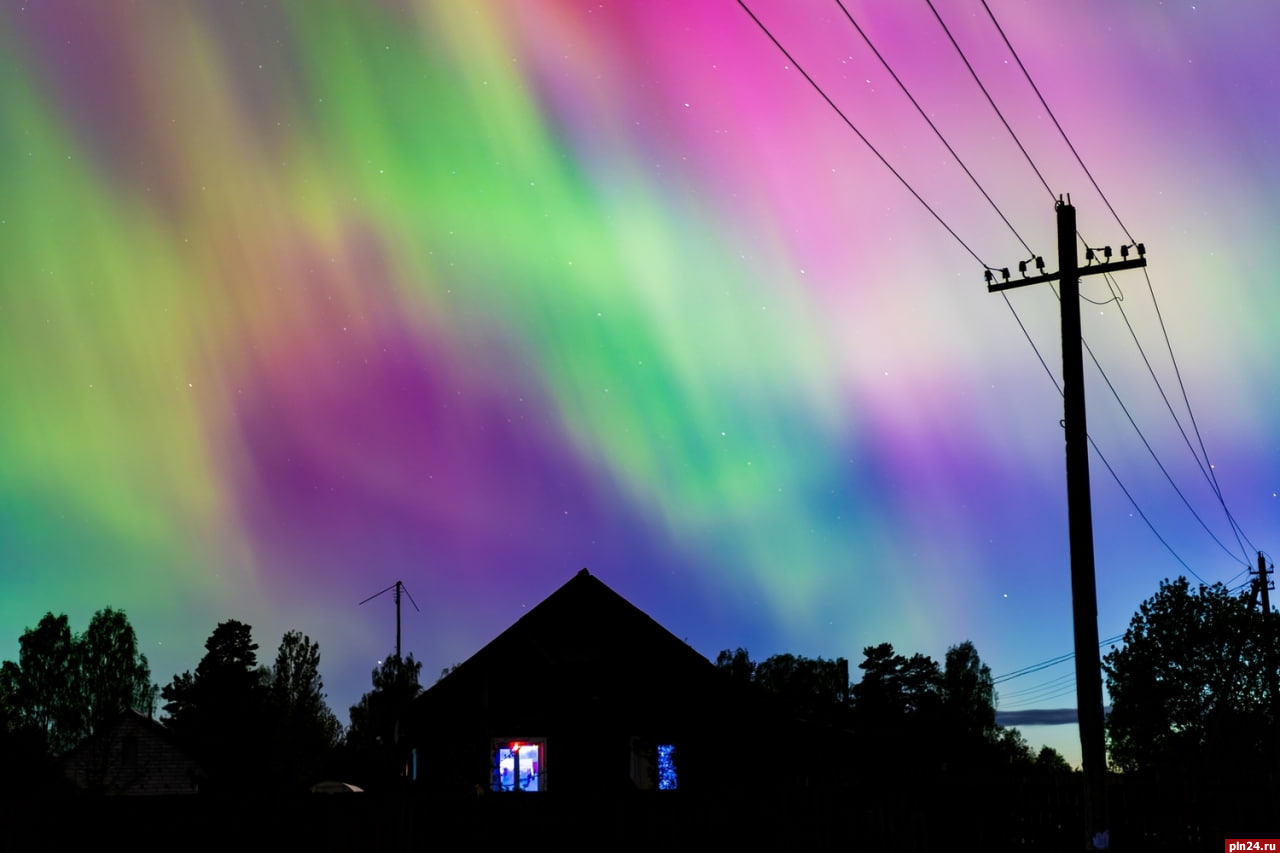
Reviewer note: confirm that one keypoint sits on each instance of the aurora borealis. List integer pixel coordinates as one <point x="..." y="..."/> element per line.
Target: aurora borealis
<point x="299" y="299"/>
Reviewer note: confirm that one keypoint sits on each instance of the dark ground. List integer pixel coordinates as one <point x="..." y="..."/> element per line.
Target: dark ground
<point x="1030" y="814"/>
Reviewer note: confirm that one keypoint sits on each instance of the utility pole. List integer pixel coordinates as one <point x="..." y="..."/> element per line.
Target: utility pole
<point x="1084" y="593"/>
<point x="1262" y="585"/>
<point x="397" y="586"/>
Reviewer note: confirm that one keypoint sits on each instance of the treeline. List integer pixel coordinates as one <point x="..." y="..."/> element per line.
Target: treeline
<point x="905" y="715"/>
<point x="1194" y="688"/>
<point x="1194" y="691"/>
<point x="269" y="724"/>
<point x="65" y="686"/>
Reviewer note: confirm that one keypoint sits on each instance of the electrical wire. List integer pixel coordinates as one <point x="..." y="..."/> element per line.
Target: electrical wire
<point x="1094" y="444"/>
<point x="924" y="115"/>
<point x="1028" y="248"/>
<point x="1206" y="466"/>
<point x="1045" y="664"/>
<point x="1031" y="702"/>
<point x="1191" y="414"/>
<point x="1142" y="514"/>
<point x="1022" y="691"/>
<point x="1111" y="285"/>
<point x="1151" y="450"/>
<point x="849" y="123"/>
<point x="861" y="136"/>
<point x="1117" y="295"/>
<point x="1035" y="695"/>
<point x="1202" y="458"/>
<point x="1229" y="580"/>
<point x="1056" y="124"/>
<point x="1034" y="348"/>
<point x="990" y="100"/>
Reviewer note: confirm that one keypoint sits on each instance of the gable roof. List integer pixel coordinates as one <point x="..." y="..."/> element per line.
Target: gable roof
<point x="131" y="721"/>
<point x="584" y="643"/>
<point x="158" y="765"/>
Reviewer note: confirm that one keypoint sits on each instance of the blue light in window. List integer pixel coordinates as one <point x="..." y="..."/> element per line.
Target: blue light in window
<point x="666" y="767"/>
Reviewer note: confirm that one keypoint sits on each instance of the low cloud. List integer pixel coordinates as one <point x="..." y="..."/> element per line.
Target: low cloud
<point x="1041" y="717"/>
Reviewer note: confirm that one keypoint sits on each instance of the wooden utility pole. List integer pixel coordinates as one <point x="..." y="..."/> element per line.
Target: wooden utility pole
<point x="1084" y="594"/>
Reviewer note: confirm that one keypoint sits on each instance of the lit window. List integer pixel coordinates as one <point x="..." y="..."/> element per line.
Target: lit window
<point x="653" y="765"/>
<point x="519" y="765"/>
<point x="666" y="767"/>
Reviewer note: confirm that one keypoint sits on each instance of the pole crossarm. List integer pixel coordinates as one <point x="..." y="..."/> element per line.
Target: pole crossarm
<point x="1096" y="269"/>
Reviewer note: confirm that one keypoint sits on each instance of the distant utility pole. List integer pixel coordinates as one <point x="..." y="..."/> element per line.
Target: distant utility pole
<point x="397" y="586"/>
<point x="1261" y="585"/>
<point x="1084" y="593"/>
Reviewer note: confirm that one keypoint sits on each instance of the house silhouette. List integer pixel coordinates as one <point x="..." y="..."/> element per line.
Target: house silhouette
<point x="132" y="756"/>
<point x="585" y="693"/>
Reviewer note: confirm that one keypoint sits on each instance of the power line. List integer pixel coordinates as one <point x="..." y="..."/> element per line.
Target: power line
<point x="849" y="123"/>
<point x="1031" y="341"/>
<point x="1151" y="449"/>
<point x="1142" y="514"/>
<point x="1045" y="664"/>
<point x="1102" y="457"/>
<point x="990" y="100"/>
<point x="1053" y="683"/>
<point x="1045" y="104"/>
<point x="1036" y="169"/>
<point x="1206" y="468"/>
<point x="1041" y="698"/>
<point x="950" y="149"/>
<point x="924" y="115"/>
<point x="864" y="139"/>
<point x="1191" y="414"/>
<point x="1243" y="571"/>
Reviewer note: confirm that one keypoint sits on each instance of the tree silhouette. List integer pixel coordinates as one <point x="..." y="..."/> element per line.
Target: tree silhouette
<point x="1192" y="687"/>
<point x="114" y="675"/>
<point x="42" y="683"/>
<point x="894" y="687"/>
<point x="1050" y="761"/>
<point x="815" y="687"/>
<point x="373" y="736"/>
<point x="221" y="711"/>
<point x="968" y="710"/>
<point x="306" y="730"/>
<point x="968" y="692"/>
<point x="65" y="687"/>
<point x="297" y="688"/>
<point x="738" y="665"/>
<point x="896" y="711"/>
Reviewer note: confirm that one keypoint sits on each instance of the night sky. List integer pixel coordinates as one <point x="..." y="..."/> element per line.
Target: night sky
<point x="300" y="299"/>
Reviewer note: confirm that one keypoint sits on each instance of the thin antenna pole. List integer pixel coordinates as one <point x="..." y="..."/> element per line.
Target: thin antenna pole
<point x="398" y="586"/>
